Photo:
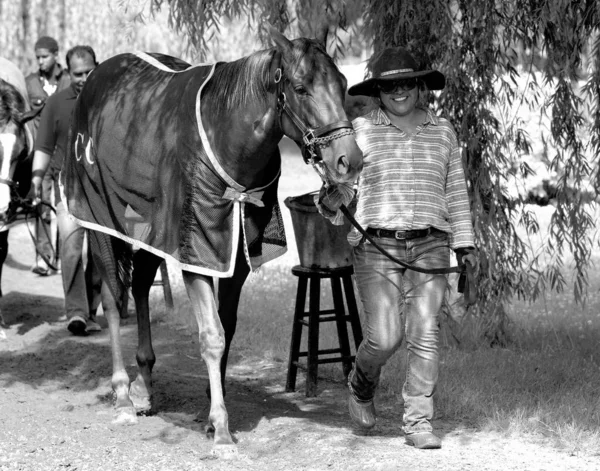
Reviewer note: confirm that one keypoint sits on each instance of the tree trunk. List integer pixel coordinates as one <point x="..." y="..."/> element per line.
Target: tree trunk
<point x="62" y="22"/>
<point x="42" y="18"/>
<point x="26" y="20"/>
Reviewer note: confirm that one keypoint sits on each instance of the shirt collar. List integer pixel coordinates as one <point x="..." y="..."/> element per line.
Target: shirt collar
<point x="379" y="118"/>
<point x="57" y="71"/>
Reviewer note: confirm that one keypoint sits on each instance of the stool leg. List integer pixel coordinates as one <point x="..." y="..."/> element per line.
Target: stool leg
<point x="164" y="276"/>
<point x="352" y="310"/>
<point x="312" y="359"/>
<point x="340" y="322"/>
<point x="296" y="334"/>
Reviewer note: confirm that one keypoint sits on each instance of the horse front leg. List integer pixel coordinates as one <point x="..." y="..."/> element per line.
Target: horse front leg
<point x="3" y="254"/>
<point x="145" y="265"/>
<point x="125" y="411"/>
<point x="229" y="293"/>
<point x="212" y="346"/>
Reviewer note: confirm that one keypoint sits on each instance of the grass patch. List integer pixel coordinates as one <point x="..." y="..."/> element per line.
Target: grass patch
<point x="543" y="386"/>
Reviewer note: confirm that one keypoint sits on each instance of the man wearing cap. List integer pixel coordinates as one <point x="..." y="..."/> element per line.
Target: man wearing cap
<point x="412" y="200"/>
<point x="46" y="81"/>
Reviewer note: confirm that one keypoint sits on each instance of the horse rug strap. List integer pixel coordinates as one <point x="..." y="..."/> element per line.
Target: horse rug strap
<point x="141" y="169"/>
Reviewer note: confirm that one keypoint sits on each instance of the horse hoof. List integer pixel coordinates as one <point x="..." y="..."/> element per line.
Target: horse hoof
<point x="225" y="451"/>
<point x="209" y="430"/>
<point x="125" y="416"/>
<point x="140" y="397"/>
<point x="142" y="404"/>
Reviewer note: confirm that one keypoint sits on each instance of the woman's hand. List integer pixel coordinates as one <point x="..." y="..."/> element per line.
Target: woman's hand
<point x="330" y="198"/>
<point x="466" y="255"/>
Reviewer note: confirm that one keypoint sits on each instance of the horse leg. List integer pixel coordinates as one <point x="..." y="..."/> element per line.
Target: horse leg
<point x="145" y="265"/>
<point x="230" y="290"/>
<point x="120" y="380"/>
<point x="212" y="345"/>
<point x="3" y="254"/>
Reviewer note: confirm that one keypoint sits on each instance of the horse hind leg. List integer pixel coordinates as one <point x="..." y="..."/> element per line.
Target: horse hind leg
<point x="212" y="346"/>
<point x="145" y="265"/>
<point x="112" y="288"/>
<point x="125" y="410"/>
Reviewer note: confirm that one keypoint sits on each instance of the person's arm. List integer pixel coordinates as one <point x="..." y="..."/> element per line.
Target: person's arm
<point x="457" y="198"/>
<point x="41" y="160"/>
<point x="45" y="142"/>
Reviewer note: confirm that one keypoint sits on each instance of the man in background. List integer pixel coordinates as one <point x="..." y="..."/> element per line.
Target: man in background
<point x="81" y="280"/>
<point x="50" y="78"/>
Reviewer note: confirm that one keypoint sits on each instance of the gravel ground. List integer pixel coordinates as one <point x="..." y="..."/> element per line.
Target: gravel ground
<point x="56" y="406"/>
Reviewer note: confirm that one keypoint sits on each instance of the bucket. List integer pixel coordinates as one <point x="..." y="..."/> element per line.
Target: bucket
<point x="320" y="243"/>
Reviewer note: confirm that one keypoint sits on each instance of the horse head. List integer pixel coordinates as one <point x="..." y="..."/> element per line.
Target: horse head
<point x="14" y="145"/>
<point x="310" y="93"/>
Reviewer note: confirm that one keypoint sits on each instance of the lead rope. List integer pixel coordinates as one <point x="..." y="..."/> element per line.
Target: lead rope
<point x="431" y="271"/>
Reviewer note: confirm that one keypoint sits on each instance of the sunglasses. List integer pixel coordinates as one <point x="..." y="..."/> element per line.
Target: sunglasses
<point x="391" y="86"/>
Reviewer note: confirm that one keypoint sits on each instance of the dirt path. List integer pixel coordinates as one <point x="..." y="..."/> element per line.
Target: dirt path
<point x="56" y="412"/>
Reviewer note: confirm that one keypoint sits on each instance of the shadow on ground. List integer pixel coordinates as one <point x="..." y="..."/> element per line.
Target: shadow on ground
<point x="26" y="311"/>
<point x="255" y="388"/>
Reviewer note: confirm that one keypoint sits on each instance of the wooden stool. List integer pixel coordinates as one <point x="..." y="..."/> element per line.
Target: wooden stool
<point x="316" y="315"/>
<point x="166" y="284"/>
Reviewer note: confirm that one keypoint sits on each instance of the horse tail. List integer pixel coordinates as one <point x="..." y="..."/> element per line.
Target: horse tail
<point x="114" y="259"/>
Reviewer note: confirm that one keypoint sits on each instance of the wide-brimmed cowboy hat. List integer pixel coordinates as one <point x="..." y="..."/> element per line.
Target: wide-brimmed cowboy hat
<point x="396" y="63"/>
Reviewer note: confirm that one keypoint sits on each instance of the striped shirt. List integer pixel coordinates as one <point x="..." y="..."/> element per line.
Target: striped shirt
<point x="413" y="181"/>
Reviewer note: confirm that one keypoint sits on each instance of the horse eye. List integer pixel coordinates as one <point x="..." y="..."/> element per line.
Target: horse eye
<point x="300" y="90"/>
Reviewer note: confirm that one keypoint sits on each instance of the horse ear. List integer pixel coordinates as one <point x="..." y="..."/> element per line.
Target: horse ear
<point x="283" y="43"/>
<point x="322" y="33"/>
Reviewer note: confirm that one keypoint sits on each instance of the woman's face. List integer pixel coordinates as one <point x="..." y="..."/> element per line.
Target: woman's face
<point x="399" y="97"/>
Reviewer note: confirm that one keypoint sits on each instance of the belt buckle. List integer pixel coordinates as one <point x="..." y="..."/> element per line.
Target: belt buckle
<point x="400" y="235"/>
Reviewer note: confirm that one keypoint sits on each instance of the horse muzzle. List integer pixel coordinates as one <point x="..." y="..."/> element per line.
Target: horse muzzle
<point x="343" y="159"/>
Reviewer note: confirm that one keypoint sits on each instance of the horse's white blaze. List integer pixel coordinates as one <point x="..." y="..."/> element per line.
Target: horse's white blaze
<point x="7" y="141"/>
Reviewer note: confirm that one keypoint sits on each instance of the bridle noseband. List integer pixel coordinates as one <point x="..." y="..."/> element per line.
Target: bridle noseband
<point x="312" y="139"/>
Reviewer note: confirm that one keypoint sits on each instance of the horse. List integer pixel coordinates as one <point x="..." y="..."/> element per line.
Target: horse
<point x="16" y="144"/>
<point x="193" y="151"/>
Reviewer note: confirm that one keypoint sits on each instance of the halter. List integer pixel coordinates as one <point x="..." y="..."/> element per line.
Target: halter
<point x="312" y="139"/>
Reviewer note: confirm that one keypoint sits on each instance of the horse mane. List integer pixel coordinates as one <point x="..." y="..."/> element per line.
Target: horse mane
<point x="12" y="103"/>
<point x="236" y="84"/>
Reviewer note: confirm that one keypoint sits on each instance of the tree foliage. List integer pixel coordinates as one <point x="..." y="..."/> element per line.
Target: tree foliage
<point x="487" y="49"/>
<point x="109" y="30"/>
<point x="513" y="68"/>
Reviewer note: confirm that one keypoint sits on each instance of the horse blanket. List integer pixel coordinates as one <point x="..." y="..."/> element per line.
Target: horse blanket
<point x="140" y="168"/>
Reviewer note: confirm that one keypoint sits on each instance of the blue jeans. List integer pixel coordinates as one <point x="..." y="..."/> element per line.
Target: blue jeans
<point x="81" y="287"/>
<point x="400" y="303"/>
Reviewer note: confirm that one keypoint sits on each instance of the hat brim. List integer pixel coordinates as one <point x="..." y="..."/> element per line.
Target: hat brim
<point x="433" y="79"/>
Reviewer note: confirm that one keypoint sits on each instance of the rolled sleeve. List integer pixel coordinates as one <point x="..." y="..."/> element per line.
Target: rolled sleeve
<point x="457" y="196"/>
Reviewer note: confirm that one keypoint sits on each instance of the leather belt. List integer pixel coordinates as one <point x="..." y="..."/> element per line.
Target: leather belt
<point x="401" y="235"/>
